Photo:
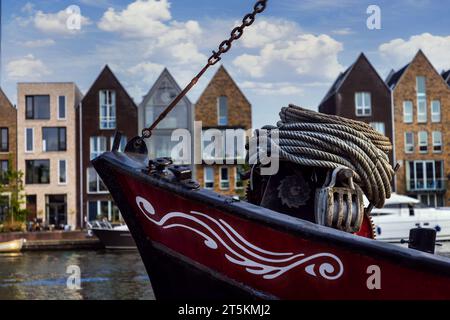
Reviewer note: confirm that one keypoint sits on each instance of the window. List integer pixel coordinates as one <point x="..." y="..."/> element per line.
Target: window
<point x="224" y="179"/>
<point x="123" y="143"/>
<point x="425" y="175"/>
<point x="407" y="112"/>
<point x="209" y="178"/>
<point x="4" y="140"/>
<point x="222" y="106"/>
<point x="421" y="100"/>
<point x="423" y="142"/>
<point x="379" y="126"/>
<point x="29" y="140"/>
<point x="4" y="168"/>
<point x="37" y="107"/>
<point x="435" y="111"/>
<point x="409" y="142"/>
<point x="62" y="172"/>
<point x="363" y="103"/>
<point x="107" y="109"/>
<point x="95" y="184"/>
<point x="61" y="108"/>
<point x="239" y="184"/>
<point x="103" y="209"/>
<point x="54" y="139"/>
<point x="37" y="172"/>
<point x="98" y="146"/>
<point x="437" y="141"/>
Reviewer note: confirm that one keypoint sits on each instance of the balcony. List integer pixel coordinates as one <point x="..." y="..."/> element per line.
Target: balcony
<point x="426" y="185"/>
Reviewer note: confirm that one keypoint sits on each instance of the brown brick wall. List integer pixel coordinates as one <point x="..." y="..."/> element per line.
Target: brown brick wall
<point x="437" y="89"/>
<point x="239" y="116"/>
<point x="8" y="120"/>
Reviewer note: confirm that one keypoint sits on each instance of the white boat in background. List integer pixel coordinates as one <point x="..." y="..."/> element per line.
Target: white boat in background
<point x="12" y="246"/>
<point x="401" y="214"/>
<point x="114" y="238"/>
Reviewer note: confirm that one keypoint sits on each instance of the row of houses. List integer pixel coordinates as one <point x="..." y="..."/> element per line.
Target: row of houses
<point x="410" y="107"/>
<point x="55" y="131"/>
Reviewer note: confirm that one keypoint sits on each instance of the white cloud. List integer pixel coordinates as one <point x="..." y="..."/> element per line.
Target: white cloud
<point x="305" y="54"/>
<point x="268" y="88"/>
<point x="57" y="22"/>
<point x="28" y="7"/>
<point x="266" y="31"/>
<point x="28" y="68"/>
<point x="399" y="51"/>
<point x="343" y="32"/>
<point x="39" y="43"/>
<point x="146" y="71"/>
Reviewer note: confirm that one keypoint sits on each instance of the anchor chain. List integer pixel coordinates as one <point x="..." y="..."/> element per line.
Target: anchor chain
<point x="216" y="56"/>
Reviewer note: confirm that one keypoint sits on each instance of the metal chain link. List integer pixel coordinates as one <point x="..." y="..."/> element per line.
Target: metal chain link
<point x="224" y="47"/>
<point x="237" y="32"/>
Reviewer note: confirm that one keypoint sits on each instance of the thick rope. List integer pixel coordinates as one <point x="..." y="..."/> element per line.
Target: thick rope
<point x="313" y="139"/>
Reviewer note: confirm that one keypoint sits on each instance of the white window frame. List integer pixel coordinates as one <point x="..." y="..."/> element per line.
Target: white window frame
<point x="26" y="141"/>
<point x="59" y="172"/>
<point x="377" y="125"/>
<point x="65" y="109"/>
<point x="123" y="143"/>
<point x="436" y="116"/>
<point x="99" y="151"/>
<point x="408" y="117"/>
<point x="224" y="181"/>
<point x="99" y="206"/>
<point x="435" y="144"/>
<point x="423" y="143"/>
<point x="364" y="107"/>
<point x="98" y="183"/>
<point x="219" y="118"/>
<point x="109" y="119"/>
<point x="409" y="145"/>
<point x="422" y="117"/>
<point x="205" y="179"/>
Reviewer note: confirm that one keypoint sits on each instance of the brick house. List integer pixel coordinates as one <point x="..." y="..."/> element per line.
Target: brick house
<point x="360" y="93"/>
<point x="8" y="146"/>
<point x="420" y="97"/>
<point x="105" y="108"/>
<point x="222" y="106"/>
<point x="46" y="144"/>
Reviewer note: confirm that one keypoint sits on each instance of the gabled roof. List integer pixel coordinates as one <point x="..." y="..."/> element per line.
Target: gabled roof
<point x="105" y="73"/>
<point x="214" y="79"/>
<point x="446" y="76"/>
<point x="165" y="74"/>
<point x="5" y="98"/>
<point x="395" y="76"/>
<point x="344" y="75"/>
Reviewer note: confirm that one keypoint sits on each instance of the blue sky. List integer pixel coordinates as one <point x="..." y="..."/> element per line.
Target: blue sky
<point x="292" y="54"/>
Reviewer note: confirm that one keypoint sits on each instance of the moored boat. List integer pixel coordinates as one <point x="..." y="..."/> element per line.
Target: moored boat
<point x="113" y="238"/>
<point x="12" y="246"/>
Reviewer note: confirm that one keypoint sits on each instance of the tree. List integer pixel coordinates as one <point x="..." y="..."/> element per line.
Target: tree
<point x="12" y="183"/>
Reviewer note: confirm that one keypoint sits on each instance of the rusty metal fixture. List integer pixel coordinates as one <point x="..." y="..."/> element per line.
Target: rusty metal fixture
<point x="224" y="47"/>
<point x="342" y="207"/>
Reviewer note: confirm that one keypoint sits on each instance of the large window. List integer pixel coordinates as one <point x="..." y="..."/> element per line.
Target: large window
<point x="62" y="171"/>
<point x="37" y="107"/>
<point x="209" y="178"/>
<point x="61" y="108"/>
<point x="123" y="143"/>
<point x="379" y="126"/>
<point x="425" y="175"/>
<point x="421" y="100"/>
<point x="95" y="184"/>
<point x="238" y="184"/>
<point x="423" y="142"/>
<point x="224" y="178"/>
<point x="4" y="168"/>
<point x="409" y="142"/>
<point x="222" y="110"/>
<point x="435" y="111"/>
<point x="437" y="141"/>
<point x="4" y="140"/>
<point x="103" y="209"/>
<point x="107" y="109"/>
<point x="29" y="140"/>
<point x="407" y="111"/>
<point x="98" y="146"/>
<point x="37" y="172"/>
<point x="363" y="104"/>
<point x="54" y="139"/>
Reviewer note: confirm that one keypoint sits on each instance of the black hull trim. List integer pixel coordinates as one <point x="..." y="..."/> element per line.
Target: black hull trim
<point x="115" y="240"/>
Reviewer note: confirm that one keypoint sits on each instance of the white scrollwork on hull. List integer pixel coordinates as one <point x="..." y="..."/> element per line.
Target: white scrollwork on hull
<point x="255" y="260"/>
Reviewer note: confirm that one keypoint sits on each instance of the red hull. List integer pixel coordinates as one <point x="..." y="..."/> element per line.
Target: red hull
<point x="265" y="252"/>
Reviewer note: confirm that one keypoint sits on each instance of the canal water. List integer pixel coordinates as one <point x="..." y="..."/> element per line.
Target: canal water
<point x="105" y="275"/>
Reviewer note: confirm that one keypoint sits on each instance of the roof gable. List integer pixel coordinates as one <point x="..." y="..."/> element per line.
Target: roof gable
<point x="446" y="76"/>
<point x="5" y="102"/>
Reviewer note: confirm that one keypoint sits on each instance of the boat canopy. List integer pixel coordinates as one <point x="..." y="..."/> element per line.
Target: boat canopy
<point x="396" y="199"/>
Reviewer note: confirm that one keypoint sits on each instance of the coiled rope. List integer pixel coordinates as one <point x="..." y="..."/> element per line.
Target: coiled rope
<point x="313" y="139"/>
